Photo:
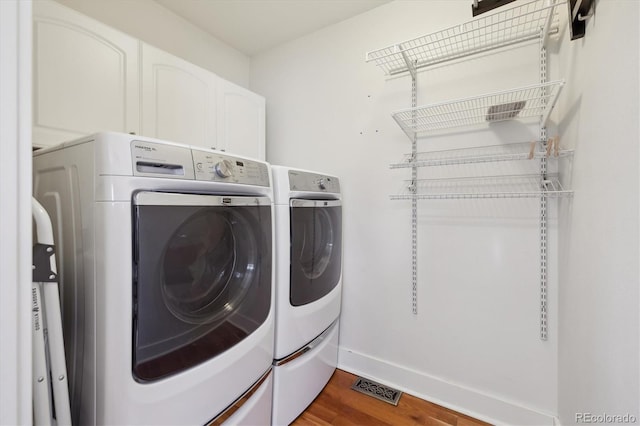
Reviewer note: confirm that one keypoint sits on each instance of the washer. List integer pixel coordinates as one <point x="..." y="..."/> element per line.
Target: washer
<point x="166" y="269"/>
<point x="308" y="287"/>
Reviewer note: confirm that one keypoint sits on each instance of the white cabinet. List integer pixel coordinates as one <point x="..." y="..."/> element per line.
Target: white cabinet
<point x="85" y="76"/>
<point x="89" y="77"/>
<point x="184" y="103"/>
<point x="178" y="99"/>
<point x="241" y="120"/>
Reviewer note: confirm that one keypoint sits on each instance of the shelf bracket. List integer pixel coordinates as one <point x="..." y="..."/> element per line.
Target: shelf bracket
<point x="411" y="66"/>
<point x="547" y="25"/>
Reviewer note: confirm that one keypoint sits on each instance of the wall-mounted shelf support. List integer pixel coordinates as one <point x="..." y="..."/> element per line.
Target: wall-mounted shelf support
<point x="543" y="200"/>
<point x="414" y="201"/>
<point x="411" y="65"/>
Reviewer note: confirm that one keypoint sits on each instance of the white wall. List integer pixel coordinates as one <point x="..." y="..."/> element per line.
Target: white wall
<point x="15" y="212"/>
<point x="160" y="27"/>
<point x="474" y="344"/>
<point x="599" y="355"/>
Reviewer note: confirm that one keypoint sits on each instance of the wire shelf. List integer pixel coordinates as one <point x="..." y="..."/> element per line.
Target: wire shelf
<point x="517" y="186"/>
<point x="487" y="154"/>
<point x="511" y="26"/>
<point x="530" y="101"/>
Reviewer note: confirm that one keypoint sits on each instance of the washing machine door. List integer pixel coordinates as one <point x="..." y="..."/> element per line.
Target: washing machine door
<point x="316" y="249"/>
<point x="202" y="277"/>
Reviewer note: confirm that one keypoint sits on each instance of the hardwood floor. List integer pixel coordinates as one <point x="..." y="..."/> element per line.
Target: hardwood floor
<point x="339" y="405"/>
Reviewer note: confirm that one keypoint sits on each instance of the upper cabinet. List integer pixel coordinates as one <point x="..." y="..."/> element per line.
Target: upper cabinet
<point x="89" y="77"/>
<point x="184" y="103"/>
<point x="178" y="99"/>
<point x="241" y="120"/>
<point x="85" y="76"/>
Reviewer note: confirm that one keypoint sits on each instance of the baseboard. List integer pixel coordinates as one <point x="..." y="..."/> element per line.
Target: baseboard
<point x="455" y="397"/>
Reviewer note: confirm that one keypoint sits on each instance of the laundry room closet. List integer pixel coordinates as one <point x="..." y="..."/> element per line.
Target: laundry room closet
<point x="512" y="309"/>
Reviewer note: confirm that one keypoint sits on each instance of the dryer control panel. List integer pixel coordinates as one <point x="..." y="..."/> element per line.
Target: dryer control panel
<point x="217" y="167"/>
<point x="152" y="159"/>
<point x="313" y="182"/>
<point x="167" y="160"/>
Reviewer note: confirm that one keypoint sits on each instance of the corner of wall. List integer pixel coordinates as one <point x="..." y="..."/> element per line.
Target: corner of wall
<point x="598" y="350"/>
<point x="468" y="401"/>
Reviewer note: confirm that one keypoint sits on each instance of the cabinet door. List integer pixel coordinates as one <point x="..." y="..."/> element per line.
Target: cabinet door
<point x="241" y="120"/>
<point x="85" y="76"/>
<point x="178" y="99"/>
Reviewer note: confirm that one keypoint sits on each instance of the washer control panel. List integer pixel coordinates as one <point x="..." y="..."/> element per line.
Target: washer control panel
<point x="313" y="182"/>
<point x="151" y="159"/>
<point x="217" y="167"/>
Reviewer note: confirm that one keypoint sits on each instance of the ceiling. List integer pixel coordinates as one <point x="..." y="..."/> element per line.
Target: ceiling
<point x="252" y="26"/>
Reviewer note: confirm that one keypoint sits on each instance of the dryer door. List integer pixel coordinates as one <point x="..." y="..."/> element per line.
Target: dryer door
<point x="316" y="249"/>
<point x="202" y="277"/>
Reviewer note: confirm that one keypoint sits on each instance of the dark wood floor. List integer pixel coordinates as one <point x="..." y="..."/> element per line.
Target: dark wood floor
<point x="339" y="405"/>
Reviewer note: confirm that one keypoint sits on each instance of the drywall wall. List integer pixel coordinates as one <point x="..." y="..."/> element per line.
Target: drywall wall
<point x="599" y="355"/>
<point x="474" y="344"/>
<point x="15" y="214"/>
<point x="158" y="26"/>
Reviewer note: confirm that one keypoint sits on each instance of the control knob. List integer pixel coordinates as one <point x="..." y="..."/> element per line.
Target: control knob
<point x="322" y="184"/>
<point x="224" y="168"/>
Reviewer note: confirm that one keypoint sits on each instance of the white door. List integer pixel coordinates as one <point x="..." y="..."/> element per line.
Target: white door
<point x="178" y="99"/>
<point x="241" y="120"/>
<point x="85" y="76"/>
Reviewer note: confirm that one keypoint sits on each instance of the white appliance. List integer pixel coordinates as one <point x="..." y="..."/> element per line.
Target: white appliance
<point x="166" y="272"/>
<point x="308" y="287"/>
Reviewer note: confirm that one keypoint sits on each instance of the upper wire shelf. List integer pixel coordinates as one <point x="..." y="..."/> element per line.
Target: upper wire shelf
<point x="515" y="186"/>
<point x="530" y="101"/>
<point x="486" y="154"/>
<point x="515" y="25"/>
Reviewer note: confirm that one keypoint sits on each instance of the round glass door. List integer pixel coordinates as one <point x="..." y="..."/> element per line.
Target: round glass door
<point x="316" y="249"/>
<point x="317" y="244"/>
<point x="201" y="279"/>
<point x="208" y="266"/>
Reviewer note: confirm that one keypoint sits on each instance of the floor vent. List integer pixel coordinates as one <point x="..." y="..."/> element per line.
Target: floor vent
<point x="377" y="390"/>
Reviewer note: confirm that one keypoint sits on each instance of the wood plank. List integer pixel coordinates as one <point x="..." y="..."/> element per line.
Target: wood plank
<point x="339" y="405"/>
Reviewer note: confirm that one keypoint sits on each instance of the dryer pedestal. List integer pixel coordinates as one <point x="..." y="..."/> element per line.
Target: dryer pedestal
<point x="254" y="406"/>
<point x="299" y="378"/>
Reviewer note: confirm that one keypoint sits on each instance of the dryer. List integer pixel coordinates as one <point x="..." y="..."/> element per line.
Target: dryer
<point x="308" y="208"/>
<point x="166" y="269"/>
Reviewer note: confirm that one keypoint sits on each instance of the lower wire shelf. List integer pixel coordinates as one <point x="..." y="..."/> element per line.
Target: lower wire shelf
<point x="486" y="154"/>
<point x="512" y="186"/>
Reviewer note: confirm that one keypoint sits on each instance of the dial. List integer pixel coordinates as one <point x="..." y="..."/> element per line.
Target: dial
<point x="322" y="184"/>
<point x="224" y="168"/>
